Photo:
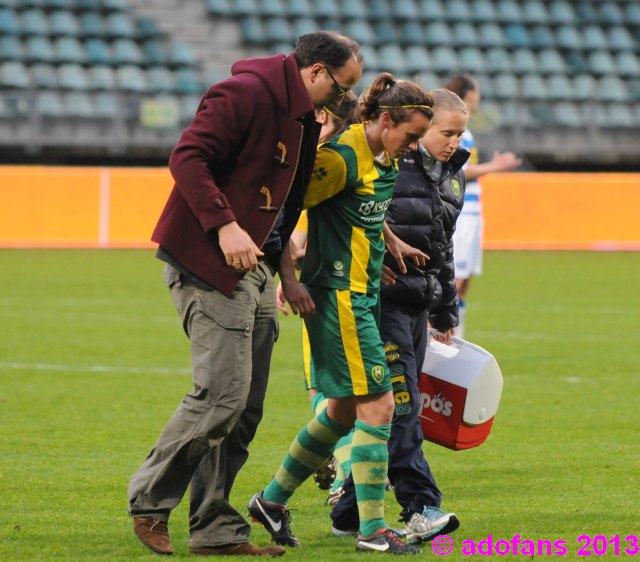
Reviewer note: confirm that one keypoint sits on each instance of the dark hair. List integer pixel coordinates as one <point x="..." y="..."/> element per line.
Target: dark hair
<point x="462" y="84"/>
<point x="346" y="111"/>
<point x="388" y="94"/>
<point x="326" y="47"/>
<point x="446" y="100"/>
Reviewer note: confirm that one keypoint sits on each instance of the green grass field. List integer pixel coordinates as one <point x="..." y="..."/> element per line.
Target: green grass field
<point x="93" y="362"/>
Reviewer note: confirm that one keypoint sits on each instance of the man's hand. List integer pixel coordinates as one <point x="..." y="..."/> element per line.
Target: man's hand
<point x="388" y="276"/>
<point x="399" y="250"/>
<point x="239" y="249"/>
<point x="443" y="337"/>
<point x="299" y="299"/>
<point x="281" y="302"/>
<point x="504" y="161"/>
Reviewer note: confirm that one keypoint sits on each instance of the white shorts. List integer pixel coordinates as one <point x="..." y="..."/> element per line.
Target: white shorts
<point x="467" y="245"/>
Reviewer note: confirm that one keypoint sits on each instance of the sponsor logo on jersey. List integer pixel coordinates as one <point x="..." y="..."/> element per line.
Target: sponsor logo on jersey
<point x="373" y="207"/>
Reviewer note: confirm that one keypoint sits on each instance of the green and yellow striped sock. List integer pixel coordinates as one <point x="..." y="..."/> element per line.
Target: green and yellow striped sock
<point x="313" y="445"/>
<point x="319" y="403"/>
<point x="369" y="462"/>
<point x="342" y="454"/>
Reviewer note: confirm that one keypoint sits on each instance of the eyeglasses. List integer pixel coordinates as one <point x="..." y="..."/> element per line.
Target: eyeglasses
<point x="341" y="89"/>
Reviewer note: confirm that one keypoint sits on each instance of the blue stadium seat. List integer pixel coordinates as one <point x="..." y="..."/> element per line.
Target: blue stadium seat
<point x="586" y="13"/>
<point x="106" y="105"/>
<point x="219" y="7"/>
<point x="278" y="30"/>
<point x="380" y="9"/>
<point x="298" y="8"/>
<point x="428" y="80"/>
<point x="39" y="49"/>
<point x="411" y="33"/>
<point x="367" y="77"/>
<point x="417" y="59"/>
<point x="147" y="28"/>
<point x="431" y="10"/>
<point x="244" y="7"/>
<point x="601" y="62"/>
<point x="63" y="23"/>
<point x="361" y="30"/>
<point x="584" y="87"/>
<point x="73" y="77"/>
<point x="9" y="24"/>
<point x="627" y="64"/>
<point x="97" y="51"/>
<point x="11" y="48"/>
<point x="404" y="10"/>
<point x="632" y="14"/>
<point x="491" y="35"/>
<point x="331" y="24"/>
<point x="392" y="59"/>
<point x="115" y="5"/>
<point x="92" y="25"/>
<point x="458" y="10"/>
<point x="506" y="87"/>
<point x="34" y="22"/>
<point x="87" y="5"/>
<point x="59" y="4"/>
<point x="508" y="11"/>
<point x="445" y="60"/>
<point x="437" y="34"/>
<point x="69" y="49"/>
<point x="483" y="11"/>
<point x="534" y="11"/>
<point x="181" y="54"/>
<point x="79" y="105"/>
<point x="611" y="13"/>
<point x="620" y="39"/>
<point x="561" y="12"/>
<point x="464" y="35"/>
<point x="14" y="74"/>
<point x="27" y="4"/>
<point x="188" y="82"/>
<point x="131" y="79"/>
<point x="48" y="104"/>
<point x="44" y="76"/>
<point x="560" y="87"/>
<point x="612" y="88"/>
<point x="119" y="25"/>
<point x="352" y="9"/>
<point x="498" y="60"/>
<point x="615" y="116"/>
<point x="524" y="61"/>
<point x="371" y="59"/>
<point x="550" y="61"/>
<point x="304" y="25"/>
<point x="594" y="38"/>
<point x="252" y="30"/>
<point x="517" y="36"/>
<point x="385" y="32"/>
<point x="568" y="37"/>
<point x="271" y="8"/>
<point x="576" y="63"/>
<point x="160" y="79"/>
<point x="155" y="52"/>
<point x="533" y="87"/>
<point x="126" y="51"/>
<point x="541" y="37"/>
<point x="188" y="106"/>
<point x="471" y="60"/>
<point x="101" y="78"/>
<point x="326" y="8"/>
<point x="568" y="114"/>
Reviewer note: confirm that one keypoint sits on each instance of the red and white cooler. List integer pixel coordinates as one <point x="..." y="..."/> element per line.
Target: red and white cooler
<point x="460" y="388"/>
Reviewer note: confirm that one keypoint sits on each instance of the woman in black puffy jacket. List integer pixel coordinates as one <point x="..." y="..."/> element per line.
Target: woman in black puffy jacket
<point x="427" y="200"/>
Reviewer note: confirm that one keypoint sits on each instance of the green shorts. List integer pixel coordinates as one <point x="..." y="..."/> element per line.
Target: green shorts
<point x="346" y="350"/>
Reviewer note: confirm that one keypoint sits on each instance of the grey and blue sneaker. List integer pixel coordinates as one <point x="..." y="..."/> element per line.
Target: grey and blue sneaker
<point x="385" y="541"/>
<point x="425" y="526"/>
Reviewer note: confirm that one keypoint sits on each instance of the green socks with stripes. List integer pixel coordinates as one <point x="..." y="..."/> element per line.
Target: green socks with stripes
<point x="369" y="462"/>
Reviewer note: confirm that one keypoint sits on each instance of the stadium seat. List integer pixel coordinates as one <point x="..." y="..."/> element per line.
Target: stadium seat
<point x="540" y="115"/>
<point x="14" y="74"/>
<point x="119" y="25"/>
<point x="188" y="82"/>
<point x="101" y="78"/>
<point x="627" y="64"/>
<point x="524" y="61"/>
<point x="616" y="116"/>
<point x="131" y="79"/>
<point x="59" y="4"/>
<point x="326" y="8"/>
<point x="594" y="38"/>
<point x="444" y="60"/>
<point x="584" y="87"/>
<point x="560" y="87"/>
<point x="252" y="30"/>
<point x="534" y="11"/>
<point x="73" y="77"/>
<point x="27" y="4"/>
<point x="367" y="78"/>
<point x="181" y="54"/>
<point x="69" y="49"/>
<point x="610" y="13"/>
<point x="508" y="11"/>
<point x="39" y="49"/>
<point x="491" y="35"/>
<point x="411" y="33"/>
<point x="576" y="63"/>
<point x="188" y="106"/>
<point x="63" y="23"/>
<point x="115" y="5"/>
<point x="9" y="24"/>
<point x="160" y="79"/>
<point x="34" y="22"/>
<point x="533" y="87"/>
<point x="392" y="59"/>
<point x="79" y="105"/>
<point x="371" y="59"/>
<point x="404" y="10"/>
<point x="92" y="25"/>
<point x="304" y="25"/>
<point x="244" y="7"/>
<point x="428" y="80"/>
<point x="44" y="76"/>
<point x="612" y="88"/>
<point x="517" y="36"/>
<point x="601" y="62"/>
<point x="471" y="60"/>
<point x="417" y="59"/>
<point x="430" y="10"/>
<point x="437" y="34"/>
<point x="561" y="12"/>
<point x="380" y="9"/>
<point x="586" y="13"/>
<point x="352" y="9"/>
<point x="331" y="24"/>
<point x="87" y="5"/>
<point x="49" y="104"/>
<point x="278" y="30"/>
<point x="106" y="106"/>
<point x="486" y="86"/>
<point x="458" y="10"/>
<point x="541" y="37"/>
<point x="568" y="114"/>
<point x="298" y="8"/>
<point x="385" y="32"/>
<point x="498" y="60"/>
<point x="550" y="61"/>
<point x="97" y="51"/>
<point x="464" y="35"/>
<point x="219" y="7"/>
<point x="632" y="14"/>
<point x="11" y="48"/>
<point x="483" y="11"/>
<point x="147" y="28"/>
<point x="568" y="37"/>
<point x="155" y="52"/>
<point x="361" y="31"/>
<point x="126" y="51"/>
<point x="271" y="8"/>
<point x="506" y="87"/>
<point x="619" y="39"/>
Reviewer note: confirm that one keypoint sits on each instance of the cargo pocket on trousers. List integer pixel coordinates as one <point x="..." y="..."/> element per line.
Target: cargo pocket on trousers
<point x="235" y="313"/>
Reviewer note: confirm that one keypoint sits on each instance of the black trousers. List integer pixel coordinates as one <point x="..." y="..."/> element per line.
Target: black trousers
<point x="404" y="333"/>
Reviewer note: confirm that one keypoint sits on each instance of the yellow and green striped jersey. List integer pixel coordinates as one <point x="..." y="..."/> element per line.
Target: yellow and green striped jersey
<point x="347" y="197"/>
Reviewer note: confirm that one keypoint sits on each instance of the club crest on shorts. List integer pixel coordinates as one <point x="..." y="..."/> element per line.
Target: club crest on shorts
<point x="377" y="373"/>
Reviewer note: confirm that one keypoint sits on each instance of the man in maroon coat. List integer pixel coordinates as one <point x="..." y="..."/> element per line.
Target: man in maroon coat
<point x="241" y="169"/>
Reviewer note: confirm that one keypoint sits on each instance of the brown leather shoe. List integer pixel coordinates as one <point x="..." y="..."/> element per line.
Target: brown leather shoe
<point x="153" y="534"/>
<point x="243" y="548"/>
